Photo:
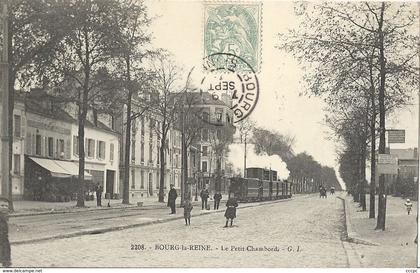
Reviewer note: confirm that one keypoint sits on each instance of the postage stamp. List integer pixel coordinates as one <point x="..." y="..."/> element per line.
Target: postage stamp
<point x="233" y="28"/>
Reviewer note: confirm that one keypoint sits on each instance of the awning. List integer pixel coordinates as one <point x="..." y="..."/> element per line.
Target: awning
<point x="60" y="168"/>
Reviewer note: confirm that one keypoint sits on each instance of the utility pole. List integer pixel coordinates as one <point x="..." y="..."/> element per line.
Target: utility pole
<point x="4" y="75"/>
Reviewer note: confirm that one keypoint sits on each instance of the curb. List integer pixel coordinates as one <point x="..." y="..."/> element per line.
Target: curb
<point x="158" y="221"/>
<point x="88" y="209"/>
<point x="350" y="235"/>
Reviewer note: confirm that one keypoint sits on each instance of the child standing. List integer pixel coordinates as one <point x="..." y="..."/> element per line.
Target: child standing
<point x="187" y="212"/>
<point x="408" y="205"/>
<point x="230" y="212"/>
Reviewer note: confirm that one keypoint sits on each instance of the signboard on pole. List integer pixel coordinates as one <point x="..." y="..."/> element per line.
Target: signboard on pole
<point x="387" y="164"/>
<point x="396" y="136"/>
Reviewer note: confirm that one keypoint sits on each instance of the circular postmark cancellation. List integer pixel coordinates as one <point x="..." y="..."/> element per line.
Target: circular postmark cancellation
<point x="232" y="81"/>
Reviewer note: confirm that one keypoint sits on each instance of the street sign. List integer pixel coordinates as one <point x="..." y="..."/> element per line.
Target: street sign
<point x="387" y="164"/>
<point x="396" y="136"/>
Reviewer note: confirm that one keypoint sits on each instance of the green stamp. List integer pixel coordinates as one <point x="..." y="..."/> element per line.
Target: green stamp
<point x="233" y="28"/>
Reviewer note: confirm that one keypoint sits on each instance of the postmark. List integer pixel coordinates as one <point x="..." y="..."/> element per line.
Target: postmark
<point x="233" y="81"/>
<point x="233" y="28"/>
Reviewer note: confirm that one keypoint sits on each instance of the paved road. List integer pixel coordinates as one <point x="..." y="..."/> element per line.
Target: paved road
<point x="305" y="231"/>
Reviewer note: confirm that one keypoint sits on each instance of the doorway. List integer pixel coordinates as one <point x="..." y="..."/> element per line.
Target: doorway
<point x="110" y="179"/>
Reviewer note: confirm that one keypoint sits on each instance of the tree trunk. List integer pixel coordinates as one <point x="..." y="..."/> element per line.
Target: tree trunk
<point x="363" y="176"/>
<point x="161" y="197"/>
<point x="372" y="157"/>
<point x="381" y="202"/>
<point x="81" y="133"/>
<point x="126" y="182"/>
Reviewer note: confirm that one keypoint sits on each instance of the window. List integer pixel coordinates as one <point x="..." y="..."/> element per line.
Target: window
<point x="142" y="152"/>
<point x="101" y="149"/>
<point x="38" y="145"/>
<point x="76" y="145"/>
<point x="133" y="150"/>
<point x="17" y="126"/>
<point x="219" y="116"/>
<point x="219" y="134"/>
<point x="16" y="164"/>
<point x="204" y="166"/>
<point x="60" y="148"/>
<point x="150" y="152"/>
<point x="204" y="151"/>
<point x="142" y="179"/>
<point x="157" y="180"/>
<point x="176" y="161"/>
<point x="142" y="126"/>
<point x="133" y="179"/>
<point x="205" y="135"/>
<point x="206" y="116"/>
<point x="158" y="154"/>
<point x="111" y="152"/>
<point x="90" y="148"/>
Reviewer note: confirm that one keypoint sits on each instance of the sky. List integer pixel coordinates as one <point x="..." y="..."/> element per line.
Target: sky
<point x="178" y="27"/>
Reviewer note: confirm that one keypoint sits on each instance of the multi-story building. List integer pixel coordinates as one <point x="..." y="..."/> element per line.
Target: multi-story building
<point x="144" y="173"/>
<point x="45" y="148"/>
<point x="214" y="140"/>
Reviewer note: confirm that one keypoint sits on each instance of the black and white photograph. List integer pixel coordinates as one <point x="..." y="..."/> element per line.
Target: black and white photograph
<point x="209" y="134"/>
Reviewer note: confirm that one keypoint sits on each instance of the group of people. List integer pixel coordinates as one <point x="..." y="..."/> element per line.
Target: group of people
<point x="230" y="212"/>
<point x="323" y="191"/>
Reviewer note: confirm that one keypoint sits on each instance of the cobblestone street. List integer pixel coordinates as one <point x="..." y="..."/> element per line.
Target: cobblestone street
<point x="306" y="232"/>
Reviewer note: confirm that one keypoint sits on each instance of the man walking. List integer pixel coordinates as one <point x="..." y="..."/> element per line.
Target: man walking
<point x="217" y="197"/>
<point x="204" y="194"/>
<point x="171" y="199"/>
<point x="4" y="233"/>
<point x="99" y="191"/>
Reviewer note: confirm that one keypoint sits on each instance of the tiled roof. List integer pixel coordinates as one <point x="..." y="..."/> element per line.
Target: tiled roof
<point x="47" y="106"/>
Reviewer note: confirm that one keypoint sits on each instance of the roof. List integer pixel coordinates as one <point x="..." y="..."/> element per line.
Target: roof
<point x="40" y="103"/>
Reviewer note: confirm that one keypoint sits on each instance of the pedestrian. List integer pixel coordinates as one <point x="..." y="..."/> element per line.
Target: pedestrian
<point x="99" y="190"/>
<point x="332" y="190"/>
<point x="4" y="233"/>
<point x="217" y="197"/>
<point x="230" y="212"/>
<point x="171" y="199"/>
<point x="408" y="206"/>
<point x="187" y="212"/>
<point x="320" y="191"/>
<point x="204" y="194"/>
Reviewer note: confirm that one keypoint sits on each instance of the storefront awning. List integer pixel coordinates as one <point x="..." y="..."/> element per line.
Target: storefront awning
<point x="60" y="168"/>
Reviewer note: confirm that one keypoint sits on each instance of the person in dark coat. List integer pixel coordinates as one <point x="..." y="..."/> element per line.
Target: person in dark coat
<point x="172" y="196"/>
<point x="230" y="212"/>
<point x="204" y="194"/>
<point x="187" y="212"/>
<point x="5" y="258"/>
<point x="99" y="190"/>
<point x="217" y="197"/>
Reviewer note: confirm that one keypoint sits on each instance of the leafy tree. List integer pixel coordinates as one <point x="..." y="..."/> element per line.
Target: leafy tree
<point x="80" y="60"/>
<point x="336" y="41"/>
<point x="31" y="33"/>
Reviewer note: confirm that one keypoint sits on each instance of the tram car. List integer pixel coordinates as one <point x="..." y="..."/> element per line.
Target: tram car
<point x="259" y="185"/>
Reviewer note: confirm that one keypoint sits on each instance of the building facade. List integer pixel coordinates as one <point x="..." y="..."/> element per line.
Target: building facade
<point x="45" y="151"/>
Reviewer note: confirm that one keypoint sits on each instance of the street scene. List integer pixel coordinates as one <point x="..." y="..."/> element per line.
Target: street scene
<point x="209" y="134"/>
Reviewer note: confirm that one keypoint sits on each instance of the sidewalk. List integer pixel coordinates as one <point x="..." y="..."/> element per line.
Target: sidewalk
<point x="377" y="248"/>
<point x="27" y="208"/>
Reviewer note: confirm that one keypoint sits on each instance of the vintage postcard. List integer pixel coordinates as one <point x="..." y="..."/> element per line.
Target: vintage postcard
<point x="208" y="134"/>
